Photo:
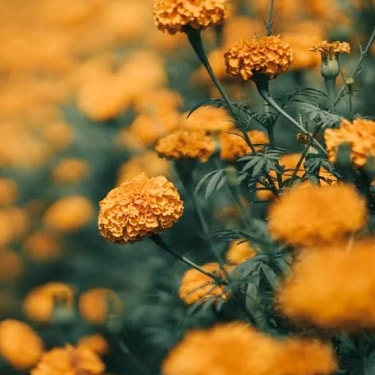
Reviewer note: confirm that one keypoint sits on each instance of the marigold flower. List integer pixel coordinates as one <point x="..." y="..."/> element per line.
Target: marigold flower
<point x="69" y="360"/>
<point x="268" y="55"/>
<point x="186" y="144"/>
<point x="8" y="191"/>
<point x="175" y="15"/>
<point x="234" y="146"/>
<point x="70" y="171"/>
<point x="41" y="246"/>
<point x="20" y="345"/>
<point x="69" y="214"/>
<point x="11" y="265"/>
<point x="360" y="135"/>
<point x="43" y="302"/>
<point x="219" y="348"/>
<point x="196" y="286"/>
<point x="95" y="342"/>
<point x="239" y="251"/>
<point x="96" y="305"/>
<point x="139" y="207"/>
<point x="332" y="286"/>
<point x="311" y="215"/>
<point x="329" y="48"/>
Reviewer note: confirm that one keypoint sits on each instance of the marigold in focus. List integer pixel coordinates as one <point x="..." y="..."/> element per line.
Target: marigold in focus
<point x="239" y="251"/>
<point x="186" y="144"/>
<point x="69" y="214"/>
<point x="220" y="347"/>
<point x="332" y="286"/>
<point x="45" y="301"/>
<point x="69" y="360"/>
<point x="175" y="15"/>
<point x="360" y="135"/>
<point x="20" y="345"/>
<point x="329" y="48"/>
<point x="96" y="305"/>
<point x="139" y="207"/>
<point x="268" y="55"/>
<point x="196" y="286"/>
<point x="234" y="146"/>
<point x="311" y="215"/>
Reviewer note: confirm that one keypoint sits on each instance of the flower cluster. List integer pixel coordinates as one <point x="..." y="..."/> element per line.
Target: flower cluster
<point x="360" y="135"/>
<point x="139" y="207"/>
<point x="267" y="55"/>
<point x="174" y="16"/>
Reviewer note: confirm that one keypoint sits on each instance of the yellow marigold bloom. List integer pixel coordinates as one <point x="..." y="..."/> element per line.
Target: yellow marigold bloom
<point x="45" y="301"/>
<point x="311" y="215"/>
<point x="69" y="360"/>
<point x="139" y="207"/>
<point x="20" y="345"/>
<point x="70" y="171"/>
<point x="95" y="342"/>
<point x="148" y="162"/>
<point x="196" y="286"/>
<point x="220" y="347"/>
<point x="268" y="55"/>
<point x="175" y="15"/>
<point x="239" y="251"/>
<point x="69" y="214"/>
<point x="360" y="135"/>
<point x="332" y="286"/>
<point x="234" y="146"/>
<point x="96" y="305"/>
<point x="331" y="48"/>
<point x="186" y="144"/>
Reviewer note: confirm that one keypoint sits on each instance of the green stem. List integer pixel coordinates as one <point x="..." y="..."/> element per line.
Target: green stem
<point x="269" y="22"/>
<point x="163" y="245"/>
<point x="331" y="92"/>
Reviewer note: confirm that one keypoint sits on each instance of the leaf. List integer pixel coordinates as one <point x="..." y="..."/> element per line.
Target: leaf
<point x="270" y="275"/>
<point x="213" y="183"/>
<point x="204" y="179"/>
<point x="207" y="102"/>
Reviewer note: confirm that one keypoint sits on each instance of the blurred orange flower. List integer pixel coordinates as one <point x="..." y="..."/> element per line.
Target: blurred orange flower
<point x="239" y="251"/>
<point x="96" y="305"/>
<point x="332" y="286"/>
<point x="20" y="345"/>
<point x="267" y="55"/>
<point x="69" y="360"/>
<point x="139" y="207"/>
<point x="186" y="144"/>
<point x="11" y="265"/>
<point x="312" y="215"/>
<point x="198" y="287"/>
<point x="360" y="134"/>
<point x="220" y="347"/>
<point x="174" y="16"/>
<point x="45" y="302"/>
<point x="71" y="170"/>
<point x="8" y="191"/>
<point x="41" y="246"/>
<point x="95" y="342"/>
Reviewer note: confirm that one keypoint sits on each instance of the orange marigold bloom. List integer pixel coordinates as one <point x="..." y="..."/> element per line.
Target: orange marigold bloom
<point x="96" y="305"/>
<point x="175" y="15"/>
<point x="70" y="171"/>
<point x="360" y="135"/>
<point x="8" y="191"/>
<point x="95" y="342"/>
<point x="186" y="144"/>
<point x="311" y="215"/>
<point x="332" y="286"/>
<point x="139" y="207"/>
<point x="42" y="246"/>
<point x="239" y="251"/>
<point x="19" y="344"/>
<point x="234" y="146"/>
<point x="267" y="55"/>
<point x="43" y="302"/>
<point x="196" y="286"/>
<point x="220" y="347"/>
<point x="69" y="360"/>
<point x="329" y="48"/>
<point x="69" y="213"/>
<point x="11" y="265"/>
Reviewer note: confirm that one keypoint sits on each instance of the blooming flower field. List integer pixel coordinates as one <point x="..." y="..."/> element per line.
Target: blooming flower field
<point x="187" y="187"/>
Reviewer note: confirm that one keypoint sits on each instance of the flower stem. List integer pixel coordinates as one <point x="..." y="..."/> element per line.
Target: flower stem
<point x="163" y="245"/>
<point x="269" y="22"/>
<point x="331" y="92"/>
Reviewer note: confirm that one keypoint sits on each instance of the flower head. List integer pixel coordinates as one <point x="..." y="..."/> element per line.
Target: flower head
<point x="69" y="360"/>
<point x="268" y="55"/>
<point x="239" y="251"/>
<point x="360" y="135"/>
<point x="311" y="215"/>
<point x="139" y="207"/>
<point x="19" y="344"/>
<point x="196" y="286"/>
<point x="220" y="347"/>
<point x="94" y="342"/>
<point x="175" y="15"/>
<point x="186" y="144"/>
<point x="332" y="287"/>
